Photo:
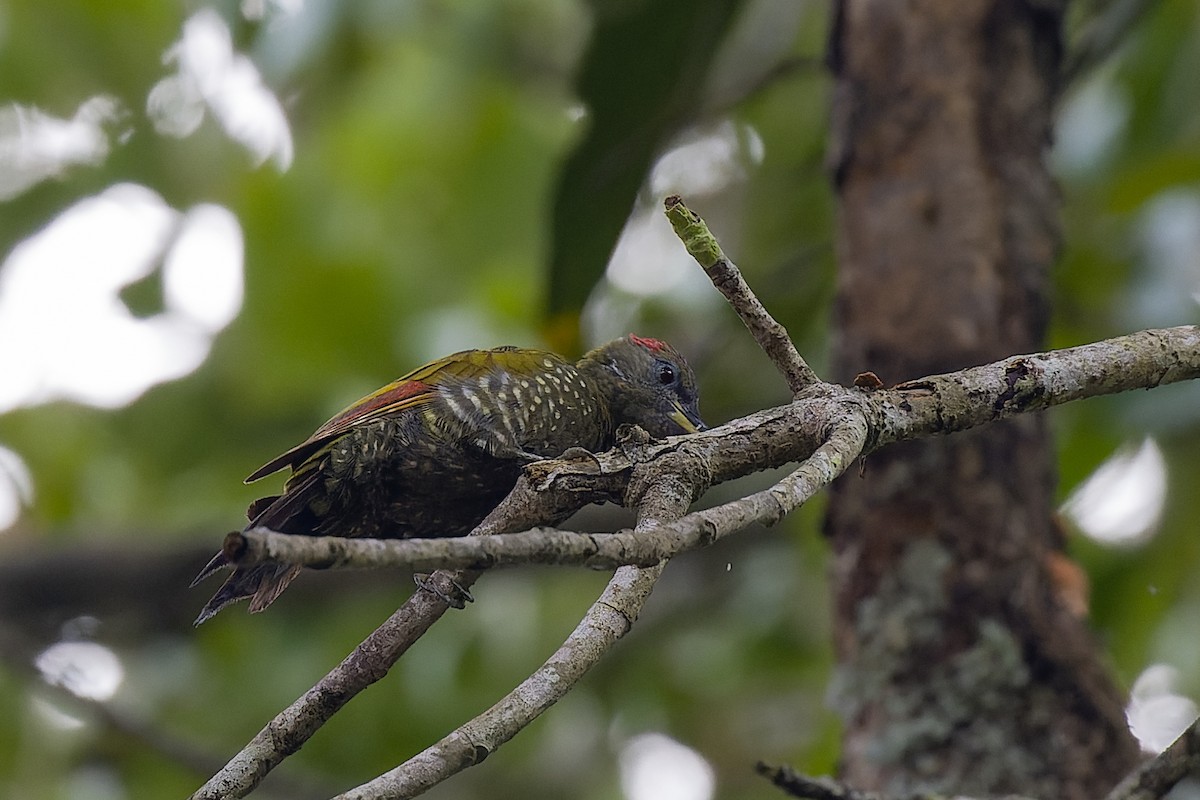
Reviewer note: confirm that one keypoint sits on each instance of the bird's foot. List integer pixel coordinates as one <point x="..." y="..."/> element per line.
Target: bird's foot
<point x="632" y="436"/>
<point x="441" y="584"/>
<point x="542" y="475"/>
<point x="581" y="454"/>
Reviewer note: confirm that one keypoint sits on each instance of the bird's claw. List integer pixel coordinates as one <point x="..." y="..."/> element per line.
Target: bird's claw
<point x="630" y="436"/>
<point x="451" y="592"/>
<point x="543" y="474"/>
<point x="581" y="454"/>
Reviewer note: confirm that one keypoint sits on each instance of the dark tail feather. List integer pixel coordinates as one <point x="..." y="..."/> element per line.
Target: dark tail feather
<point x="218" y="561"/>
<point x="288" y="512"/>
<point x="262" y="582"/>
<point x="272" y="586"/>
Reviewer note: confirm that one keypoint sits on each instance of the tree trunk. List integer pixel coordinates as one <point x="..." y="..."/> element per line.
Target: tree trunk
<point x="963" y="665"/>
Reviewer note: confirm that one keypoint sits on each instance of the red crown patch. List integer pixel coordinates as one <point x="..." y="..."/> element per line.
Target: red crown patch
<point x="653" y="345"/>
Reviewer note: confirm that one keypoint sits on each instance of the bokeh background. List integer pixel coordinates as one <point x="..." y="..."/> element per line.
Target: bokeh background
<point x="222" y="222"/>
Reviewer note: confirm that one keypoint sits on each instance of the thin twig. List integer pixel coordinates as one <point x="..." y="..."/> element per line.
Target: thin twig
<point x="1157" y="776"/>
<point x="609" y="618"/>
<point x="771" y="336"/>
<point x="293" y="726"/>
<point x="799" y="785"/>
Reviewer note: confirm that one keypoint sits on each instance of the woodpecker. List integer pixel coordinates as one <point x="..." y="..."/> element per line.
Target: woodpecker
<point x="434" y="451"/>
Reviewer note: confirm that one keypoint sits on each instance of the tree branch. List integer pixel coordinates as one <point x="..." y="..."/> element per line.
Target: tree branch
<point x="1159" y="775"/>
<point x="936" y="405"/>
<point x="608" y="619"/>
<point x="960" y="400"/>
<point x="641" y="548"/>
<point x="803" y="786"/>
<point x="796" y="784"/>
<point x="771" y="336"/>
<point x="1150" y="781"/>
<point x="625" y="595"/>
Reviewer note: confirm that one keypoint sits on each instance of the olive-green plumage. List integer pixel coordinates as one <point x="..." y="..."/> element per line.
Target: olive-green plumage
<point x="433" y="452"/>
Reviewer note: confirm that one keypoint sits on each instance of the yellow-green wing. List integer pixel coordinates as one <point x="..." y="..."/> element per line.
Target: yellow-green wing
<point x="408" y="391"/>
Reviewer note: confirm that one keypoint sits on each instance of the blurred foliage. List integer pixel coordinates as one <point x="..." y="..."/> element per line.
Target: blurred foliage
<point x="436" y="202"/>
<point x="641" y="79"/>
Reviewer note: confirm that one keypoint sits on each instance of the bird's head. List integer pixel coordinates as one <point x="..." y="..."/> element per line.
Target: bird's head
<point x="648" y="383"/>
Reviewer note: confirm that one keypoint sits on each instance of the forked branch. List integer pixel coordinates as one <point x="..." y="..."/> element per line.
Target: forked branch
<point x="824" y="429"/>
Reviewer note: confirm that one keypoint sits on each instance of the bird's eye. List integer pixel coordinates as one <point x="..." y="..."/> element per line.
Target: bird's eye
<point x="666" y="373"/>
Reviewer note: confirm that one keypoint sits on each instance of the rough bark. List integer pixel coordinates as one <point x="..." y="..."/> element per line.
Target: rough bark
<point x="960" y="668"/>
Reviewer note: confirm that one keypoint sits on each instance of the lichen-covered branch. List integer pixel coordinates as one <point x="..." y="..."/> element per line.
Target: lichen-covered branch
<point x="960" y="400"/>
<point x="535" y="546"/>
<point x="771" y="336"/>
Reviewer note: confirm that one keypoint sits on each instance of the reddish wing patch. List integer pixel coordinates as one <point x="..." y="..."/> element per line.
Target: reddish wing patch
<point x="372" y="403"/>
<point x="390" y="397"/>
<point x="653" y="345"/>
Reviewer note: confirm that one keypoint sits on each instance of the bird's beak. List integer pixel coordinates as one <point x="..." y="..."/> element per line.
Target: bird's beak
<point x="687" y="417"/>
